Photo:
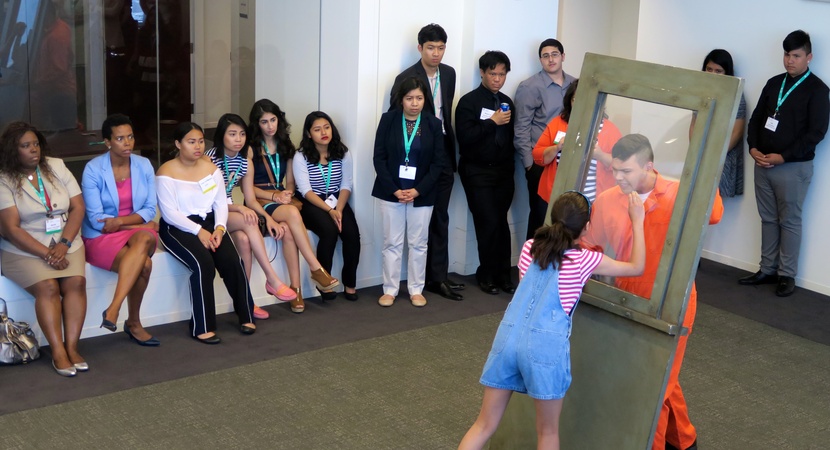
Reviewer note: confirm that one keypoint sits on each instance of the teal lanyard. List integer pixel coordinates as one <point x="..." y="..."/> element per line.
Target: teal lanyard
<point x="231" y="180"/>
<point x="407" y="138"/>
<point x="435" y="89"/>
<point x="41" y="193"/>
<point x="326" y="176"/>
<point x="274" y="160"/>
<point x="781" y="91"/>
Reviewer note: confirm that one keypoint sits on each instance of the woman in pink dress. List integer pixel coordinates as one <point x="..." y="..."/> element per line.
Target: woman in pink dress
<point x="119" y="233"/>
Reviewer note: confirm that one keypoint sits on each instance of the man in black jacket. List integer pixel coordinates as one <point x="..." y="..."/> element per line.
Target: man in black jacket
<point x="484" y="125"/>
<point x="790" y="119"/>
<point x="432" y="42"/>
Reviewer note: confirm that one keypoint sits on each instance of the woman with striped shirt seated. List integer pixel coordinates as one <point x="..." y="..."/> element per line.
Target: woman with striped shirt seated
<point x="323" y="173"/>
<point x="232" y="157"/>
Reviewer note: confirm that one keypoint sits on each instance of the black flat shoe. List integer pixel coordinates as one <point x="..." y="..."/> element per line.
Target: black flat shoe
<point x="331" y="295"/>
<point x="351" y="297"/>
<point x="106" y="323"/>
<point x="786" y="286"/>
<point x="247" y="329"/>
<point x="444" y="290"/>
<point x="758" y="278"/>
<point x="453" y="285"/>
<point x="152" y="342"/>
<point x="489" y="288"/>
<point x="213" y="340"/>
<point x="507" y="287"/>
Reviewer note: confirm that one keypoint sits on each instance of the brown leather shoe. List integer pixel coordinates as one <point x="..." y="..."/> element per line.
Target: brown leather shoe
<point x="323" y="280"/>
<point x="297" y="305"/>
<point x="386" y="300"/>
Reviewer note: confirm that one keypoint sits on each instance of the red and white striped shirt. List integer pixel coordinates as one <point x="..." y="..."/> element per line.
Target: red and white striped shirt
<point x="577" y="266"/>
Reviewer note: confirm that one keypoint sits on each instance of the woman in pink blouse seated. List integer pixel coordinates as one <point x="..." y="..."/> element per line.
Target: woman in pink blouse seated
<point x="119" y="233"/>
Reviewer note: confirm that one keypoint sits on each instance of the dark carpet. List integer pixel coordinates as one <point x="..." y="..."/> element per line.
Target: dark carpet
<point x="116" y="363"/>
<point x="805" y="313"/>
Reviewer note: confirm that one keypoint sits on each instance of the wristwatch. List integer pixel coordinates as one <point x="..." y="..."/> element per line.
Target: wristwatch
<point x="65" y="242"/>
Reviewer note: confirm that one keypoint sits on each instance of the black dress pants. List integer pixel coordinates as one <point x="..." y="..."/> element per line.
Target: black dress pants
<point x="203" y="265"/>
<point x="538" y="206"/>
<point x="320" y="222"/>
<point x="489" y="191"/>
<point x="438" y="251"/>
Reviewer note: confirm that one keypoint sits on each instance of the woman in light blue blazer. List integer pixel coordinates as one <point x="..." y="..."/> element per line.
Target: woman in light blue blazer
<point x="118" y="231"/>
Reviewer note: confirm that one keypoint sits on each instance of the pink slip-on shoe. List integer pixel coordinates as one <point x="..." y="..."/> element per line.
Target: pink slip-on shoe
<point x="284" y="292"/>
<point x="260" y="313"/>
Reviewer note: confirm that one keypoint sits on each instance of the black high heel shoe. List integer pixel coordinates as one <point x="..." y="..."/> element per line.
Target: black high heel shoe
<point x="106" y="323"/>
<point x="152" y="342"/>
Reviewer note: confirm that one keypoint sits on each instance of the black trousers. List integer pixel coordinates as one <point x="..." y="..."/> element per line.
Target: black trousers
<point x="538" y="206"/>
<point x="438" y="251"/>
<point x="203" y="265"/>
<point x="489" y="192"/>
<point x="319" y="222"/>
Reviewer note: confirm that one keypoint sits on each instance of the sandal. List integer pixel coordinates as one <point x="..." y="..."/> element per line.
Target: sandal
<point x="284" y="292"/>
<point x="323" y="280"/>
<point x="260" y="313"/>
<point x="297" y="305"/>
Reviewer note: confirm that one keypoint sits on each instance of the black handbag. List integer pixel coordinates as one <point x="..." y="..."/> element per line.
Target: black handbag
<point x="17" y="342"/>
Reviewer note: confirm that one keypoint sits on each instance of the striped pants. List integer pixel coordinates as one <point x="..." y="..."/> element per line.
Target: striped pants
<point x="203" y="265"/>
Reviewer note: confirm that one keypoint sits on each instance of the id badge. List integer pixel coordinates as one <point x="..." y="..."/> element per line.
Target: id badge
<point x="486" y="113"/>
<point x="207" y="184"/>
<point x="53" y="225"/>
<point x="407" y="172"/>
<point x="771" y="124"/>
<point x="559" y="136"/>
<point x="332" y="201"/>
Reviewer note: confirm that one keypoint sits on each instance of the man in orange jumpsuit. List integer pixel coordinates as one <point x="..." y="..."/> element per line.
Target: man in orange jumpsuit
<point x="633" y="168"/>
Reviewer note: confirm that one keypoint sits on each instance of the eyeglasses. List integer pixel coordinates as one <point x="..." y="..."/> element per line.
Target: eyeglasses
<point x="553" y="55"/>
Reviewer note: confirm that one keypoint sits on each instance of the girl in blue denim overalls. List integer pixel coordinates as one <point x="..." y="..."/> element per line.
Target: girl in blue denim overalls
<point x="531" y="351"/>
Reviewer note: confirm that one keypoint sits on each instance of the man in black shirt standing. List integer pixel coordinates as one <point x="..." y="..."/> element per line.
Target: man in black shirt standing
<point x="432" y="42"/>
<point x="790" y="119"/>
<point x="484" y="126"/>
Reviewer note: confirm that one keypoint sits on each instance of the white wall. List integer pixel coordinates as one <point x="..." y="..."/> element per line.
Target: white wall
<point x="365" y="43"/>
<point x="680" y="34"/>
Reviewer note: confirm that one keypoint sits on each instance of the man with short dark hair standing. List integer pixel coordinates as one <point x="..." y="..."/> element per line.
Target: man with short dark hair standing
<point x="484" y="125"/>
<point x="790" y="119"/>
<point x="538" y="101"/>
<point x="432" y="42"/>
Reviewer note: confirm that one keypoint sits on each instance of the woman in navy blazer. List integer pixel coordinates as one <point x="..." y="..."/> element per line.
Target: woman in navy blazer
<point x="409" y="157"/>
<point x="119" y="233"/>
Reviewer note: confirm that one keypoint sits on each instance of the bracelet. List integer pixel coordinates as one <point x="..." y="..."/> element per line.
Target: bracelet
<point x="331" y="209"/>
<point x="220" y="227"/>
<point x="272" y="196"/>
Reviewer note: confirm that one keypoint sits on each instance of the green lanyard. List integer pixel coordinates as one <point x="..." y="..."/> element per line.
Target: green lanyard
<point x="326" y="176"/>
<point x="274" y="160"/>
<point x="407" y="138"/>
<point x="781" y="91"/>
<point x="231" y="180"/>
<point x="435" y="88"/>
<point x="41" y="194"/>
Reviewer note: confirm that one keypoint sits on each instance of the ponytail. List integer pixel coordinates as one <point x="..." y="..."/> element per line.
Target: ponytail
<point x="570" y="212"/>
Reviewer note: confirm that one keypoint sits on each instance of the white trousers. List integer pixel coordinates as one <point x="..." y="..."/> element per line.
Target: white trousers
<point x="401" y="219"/>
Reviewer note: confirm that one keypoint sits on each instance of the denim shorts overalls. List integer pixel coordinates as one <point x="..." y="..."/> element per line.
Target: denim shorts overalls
<point x="531" y="351"/>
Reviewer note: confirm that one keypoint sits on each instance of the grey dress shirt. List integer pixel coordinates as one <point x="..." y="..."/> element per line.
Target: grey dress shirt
<point x="538" y="100"/>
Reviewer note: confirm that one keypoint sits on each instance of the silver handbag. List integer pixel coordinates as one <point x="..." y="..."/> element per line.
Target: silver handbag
<point x="17" y="342"/>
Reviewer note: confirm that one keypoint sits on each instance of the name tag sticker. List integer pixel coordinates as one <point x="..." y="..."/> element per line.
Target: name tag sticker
<point x="486" y="113"/>
<point x="771" y="124"/>
<point x="559" y="136"/>
<point x="207" y="184"/>
<point x="331" y="201"/>
<point x="53" y="225"/>
<point x="407" y="172"/>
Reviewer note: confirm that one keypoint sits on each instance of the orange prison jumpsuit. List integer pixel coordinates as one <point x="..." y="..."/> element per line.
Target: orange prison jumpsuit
<point x="611" y="229"/>
<point x="609" y="136"/>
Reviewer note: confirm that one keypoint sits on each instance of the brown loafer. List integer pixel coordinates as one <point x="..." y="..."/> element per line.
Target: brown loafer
<point x="297" y="305"/>
<point x="418" y="300"/>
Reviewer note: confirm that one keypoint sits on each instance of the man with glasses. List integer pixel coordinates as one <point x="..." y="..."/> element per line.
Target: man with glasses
<point x="538" y="101"/>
